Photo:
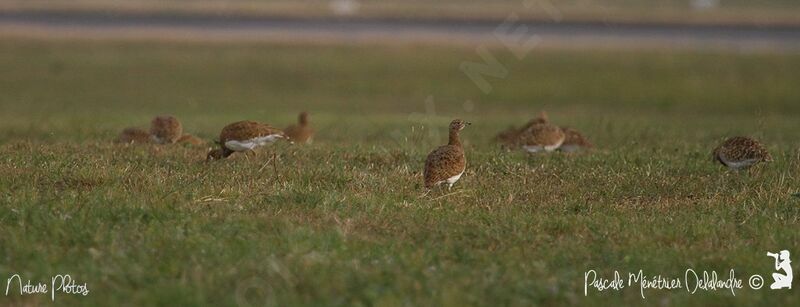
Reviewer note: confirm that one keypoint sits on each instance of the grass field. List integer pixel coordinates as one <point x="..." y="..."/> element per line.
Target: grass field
<point x="343" y="222"/>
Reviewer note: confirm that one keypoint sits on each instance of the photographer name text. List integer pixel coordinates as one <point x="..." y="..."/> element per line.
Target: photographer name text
<point x="691" y="281"/>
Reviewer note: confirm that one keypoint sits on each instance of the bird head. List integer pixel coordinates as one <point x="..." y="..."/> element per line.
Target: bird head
<point x="215" y="154"/>
<point x="302" y="119"/>
<point x="458" y="125"/>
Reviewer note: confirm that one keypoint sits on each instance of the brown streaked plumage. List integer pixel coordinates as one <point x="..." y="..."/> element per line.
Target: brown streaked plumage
<point x="541" y="137"/>
<point x="244" y="136"/>
<point x="217" y="154"/>
<point x="166" y="129"/>
<point x="574" y="141"/>
<point x="134" y="136"/>
<point x="741" y="153"/>
<point x="513" y="137"/>
<point x="191" y="140"/>
<point x="247" y="130"/>
<point x="302" y="132"/>
<point x="542" y="119"/>
<point x="447" y="163"/>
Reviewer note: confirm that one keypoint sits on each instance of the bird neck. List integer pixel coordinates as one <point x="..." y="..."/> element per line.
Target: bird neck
<point x="454" y="139"/>
<point x="226" y="152"/>
<point x="303" y="120"/>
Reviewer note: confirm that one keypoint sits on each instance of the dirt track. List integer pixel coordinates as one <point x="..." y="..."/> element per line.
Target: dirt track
<point x="96" y="25"/>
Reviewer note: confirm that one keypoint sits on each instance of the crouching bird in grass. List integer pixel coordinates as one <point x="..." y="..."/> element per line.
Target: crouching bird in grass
<point x="536" y="136"/>
<point x="134" y="136"/>
<point x="740" y="153"/>
<point x="192" y="140"/>
<point x="244" y="136"/>
<point x="165" y="129"/>
<point x="301" y="133"/>
<point x="511" y="137"/>
<point x="574" y="141"/>
<point x="447" y="163"/>
<point x="539" y="135"/>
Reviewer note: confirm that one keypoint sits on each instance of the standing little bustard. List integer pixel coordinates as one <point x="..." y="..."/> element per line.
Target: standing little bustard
<point x="165" y="129"/>
<point x="302" y="132"/>
<point x="244" y="136"/>
<point x="447" y="163"/>
<point x="741" y="152"/>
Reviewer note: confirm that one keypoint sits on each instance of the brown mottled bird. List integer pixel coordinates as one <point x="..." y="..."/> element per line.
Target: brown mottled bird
<point x="166" y="129"/>
<point x="191" y="140"/>
<point x="302" y="132"/>
<point x="539" y="135"/>
<point x="244" y="136"/>
<point x="574" y="141"/>
<point x="508" y="137"/>
<point x="512" y="137"/>
<point x="447" y="163"/>
<point x="741" y="152"/>
<point x="134" y="136"/>
<point x="542" y="119"/>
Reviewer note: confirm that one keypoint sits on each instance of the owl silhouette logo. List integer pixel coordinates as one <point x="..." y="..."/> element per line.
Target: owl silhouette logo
<point x="782" y="263"/>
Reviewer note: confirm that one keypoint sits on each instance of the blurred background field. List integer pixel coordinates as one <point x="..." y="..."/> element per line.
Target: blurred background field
<point x="671" y="11"/>
<point x="63" y="86"/>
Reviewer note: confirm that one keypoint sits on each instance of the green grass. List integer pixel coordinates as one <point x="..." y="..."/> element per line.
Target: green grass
<point x="343" y="222"/>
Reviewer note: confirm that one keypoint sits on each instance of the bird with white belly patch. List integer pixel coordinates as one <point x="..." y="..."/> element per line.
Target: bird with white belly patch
<point x="741" y="152"/>
<point x="541" y="136"/>
<point x="574" y="141"/>
<point x="446" y="164"/>
<point x="244" y="136"/>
